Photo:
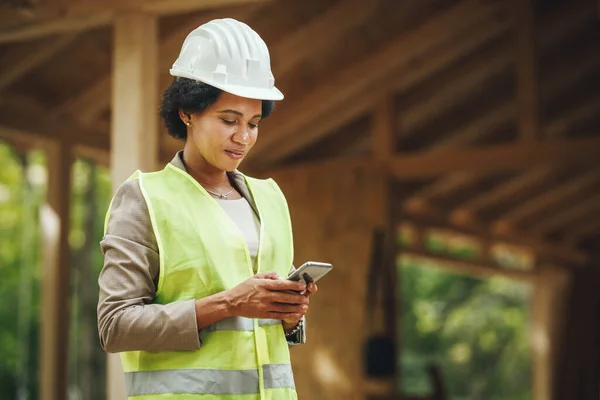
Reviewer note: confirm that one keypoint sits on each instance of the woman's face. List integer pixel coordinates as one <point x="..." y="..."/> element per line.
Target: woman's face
<point x="223" y="134"/>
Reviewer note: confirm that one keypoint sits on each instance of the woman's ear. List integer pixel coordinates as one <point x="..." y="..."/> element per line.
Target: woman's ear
<point x="185" y="117"/>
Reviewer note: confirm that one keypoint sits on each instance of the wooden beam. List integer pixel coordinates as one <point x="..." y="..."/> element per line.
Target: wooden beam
<point x="54" y="26"/>
<point x="550" y="198"/>
<point x="501" y="115"/>
<point x="320" y="32"/>
<point x="489" y="159"/>
<point x="582" y="230"/>
<point x="322" y="123"/>
<point x="527" y="92"/>
<point x="555" y="129"/>
<point x="504" y="191"/>
<point x="24" y="116"/>
<point x="85" y="15"/>
<point x="588" y="206"/>
<point x="15" y="64"/>
<point x="451" y="183"/>
<point x="405" y="78"/>
<point x="346" y="85"/>
<point x="384" y="130"/>
<point x="93" y="101"/>
<point x="134" y="133"/>
<point x="54" y="220"/>
<point x="428" y="216"/>
<point x="497" y="158"/>
<point x="469" y="268"/>
<point x="451" y="87"/>
<point x="582" y="111"/>
<point x="557" y="27"/>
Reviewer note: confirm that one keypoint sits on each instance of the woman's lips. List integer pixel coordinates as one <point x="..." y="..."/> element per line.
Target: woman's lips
<point x="236" y="155"/>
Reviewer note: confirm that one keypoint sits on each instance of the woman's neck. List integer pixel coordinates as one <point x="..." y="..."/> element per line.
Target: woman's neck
<point x="203" y="172"/>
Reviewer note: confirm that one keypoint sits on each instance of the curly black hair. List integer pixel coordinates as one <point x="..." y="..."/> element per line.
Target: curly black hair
<point x="192" y="96"/>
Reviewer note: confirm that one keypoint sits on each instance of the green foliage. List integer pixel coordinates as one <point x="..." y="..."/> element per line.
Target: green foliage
<point x="22" y="196"/>
<point x="20" y="199"/>
<point x="90" y="199"/>
<point x="475" y="330"/>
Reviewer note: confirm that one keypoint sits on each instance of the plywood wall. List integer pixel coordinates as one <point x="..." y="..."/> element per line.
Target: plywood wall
<point x="333" y="214"/>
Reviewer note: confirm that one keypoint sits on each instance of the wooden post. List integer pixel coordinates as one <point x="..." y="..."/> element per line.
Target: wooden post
<point x="527" y="88"/>
<point x="134" y="129"/>
<point x="547" y="325"/>
<point x="54" y="219"/>
<point x="384" y="149"/>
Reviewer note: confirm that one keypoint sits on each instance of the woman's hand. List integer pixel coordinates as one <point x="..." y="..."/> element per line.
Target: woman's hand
<point x="267" y="295"/>
<point x="289" y="324"/>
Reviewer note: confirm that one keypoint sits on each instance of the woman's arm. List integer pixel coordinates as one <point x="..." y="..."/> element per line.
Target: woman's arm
<point x="127" y="319"/>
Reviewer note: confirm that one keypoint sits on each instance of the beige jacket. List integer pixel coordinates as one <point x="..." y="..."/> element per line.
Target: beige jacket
<point x="127" y="318"/>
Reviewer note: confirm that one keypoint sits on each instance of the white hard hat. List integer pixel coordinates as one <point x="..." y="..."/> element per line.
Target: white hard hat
<point x="228" y="55"/>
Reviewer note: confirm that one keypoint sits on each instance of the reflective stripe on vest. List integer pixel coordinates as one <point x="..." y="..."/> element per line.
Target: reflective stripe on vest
<point x="208" y="381"/>
<point x="239" y="324"/>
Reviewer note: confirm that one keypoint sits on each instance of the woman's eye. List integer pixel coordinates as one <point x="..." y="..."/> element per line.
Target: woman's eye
<point x="228" y="122"/>
<point x="253" y="126"/>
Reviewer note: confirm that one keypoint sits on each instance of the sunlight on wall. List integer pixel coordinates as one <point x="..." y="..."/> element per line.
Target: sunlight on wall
<point x="328" y="372"/>
<point x="50" y="224"/>
<point x="540" y="340"/>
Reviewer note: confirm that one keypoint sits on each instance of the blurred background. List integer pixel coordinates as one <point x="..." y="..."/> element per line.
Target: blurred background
<point x="443" y="155"/>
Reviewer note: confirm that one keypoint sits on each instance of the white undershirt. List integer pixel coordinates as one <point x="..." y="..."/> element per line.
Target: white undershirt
<point x="246" y="220"/>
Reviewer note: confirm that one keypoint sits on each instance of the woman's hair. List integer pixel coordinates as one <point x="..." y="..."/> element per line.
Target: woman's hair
<point x="192" y="96"/>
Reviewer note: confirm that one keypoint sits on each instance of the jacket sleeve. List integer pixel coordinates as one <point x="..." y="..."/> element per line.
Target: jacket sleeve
<point x="127" y="319"/>
<point x="300" y="336"/>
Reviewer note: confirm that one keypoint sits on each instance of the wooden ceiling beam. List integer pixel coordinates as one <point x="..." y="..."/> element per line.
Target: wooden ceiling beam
<point x="348" y="85"/>
<point x="525" y="55"/>
<point x="549" y="199"/>
<point x="401" y="80"/>
<point x="585" y="229"/>
<point x="319" y="33"/>
<point x="503" y="114"/>
<point x="581" y="112"/>
<point x="587" y="207"/>
<point x="17" y="124"/>
<point x="16" y="63"/>
<point x="504" y="191"/>
<point x="26" y="115"/>
<point x="91" y="103"/>
<point x="488" y="159"/>
<point x="450" y="90"/>
<point x="434" y="217"/>
<point x="84" y="15"/>
<point x="497" y="158"/>
<point x="320" y="124"/>
<point x="557" y="128"/>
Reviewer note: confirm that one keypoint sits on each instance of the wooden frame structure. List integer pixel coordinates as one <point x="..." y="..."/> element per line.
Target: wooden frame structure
<point x="446" y="100"/>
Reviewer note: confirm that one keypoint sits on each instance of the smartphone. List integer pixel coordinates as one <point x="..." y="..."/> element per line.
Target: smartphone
<point x="314" y="270"/>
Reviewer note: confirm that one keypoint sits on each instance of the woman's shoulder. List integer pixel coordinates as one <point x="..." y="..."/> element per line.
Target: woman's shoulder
<point x="129" y="192"/>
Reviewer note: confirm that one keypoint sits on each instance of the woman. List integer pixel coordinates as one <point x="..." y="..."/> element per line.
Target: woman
<point x="193" y="291"/>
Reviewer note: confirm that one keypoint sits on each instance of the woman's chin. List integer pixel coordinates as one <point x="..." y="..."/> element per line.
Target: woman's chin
<point x="228" y="165"/>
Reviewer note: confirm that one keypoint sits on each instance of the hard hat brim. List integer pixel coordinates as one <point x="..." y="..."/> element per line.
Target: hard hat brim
<point x="238" y="90"/>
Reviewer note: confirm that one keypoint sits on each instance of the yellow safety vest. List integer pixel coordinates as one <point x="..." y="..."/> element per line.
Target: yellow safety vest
<point x="202" y="252"/>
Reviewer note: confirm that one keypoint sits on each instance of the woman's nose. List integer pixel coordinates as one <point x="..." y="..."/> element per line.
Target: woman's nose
<point x="241" y="137"/>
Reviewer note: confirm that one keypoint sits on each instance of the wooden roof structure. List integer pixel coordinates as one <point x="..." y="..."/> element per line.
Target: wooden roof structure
<point x="486" y="114"/>
<point x="495" y="106"/>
